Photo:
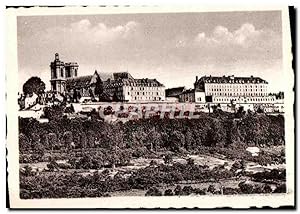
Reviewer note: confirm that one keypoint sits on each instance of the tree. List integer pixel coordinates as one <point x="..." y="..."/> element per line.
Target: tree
<point x="168" y="159"/>
<point x="98" y="87"/>
<point x="68" y="139"/>
<point x="153" y="191"/>
<point x="34" y="85"/>
<point x="168" y="192"/>
<point x="211" y="189"/>
<point x="190" y="161"/>
<point x="53" y="141"/>
<point x="24" y="143"/>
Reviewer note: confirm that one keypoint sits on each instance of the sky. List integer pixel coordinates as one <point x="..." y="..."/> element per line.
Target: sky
<point x="171" y="47"/>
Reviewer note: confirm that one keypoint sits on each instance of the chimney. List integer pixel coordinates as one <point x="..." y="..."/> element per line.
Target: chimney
<point x="196" y="78"/>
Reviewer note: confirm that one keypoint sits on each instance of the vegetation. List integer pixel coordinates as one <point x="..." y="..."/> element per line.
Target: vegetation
<point x="34" y="85"/>
<point x="91" y="144"/>
<point x="176" y="135"/>
<point x="151" y="180"/>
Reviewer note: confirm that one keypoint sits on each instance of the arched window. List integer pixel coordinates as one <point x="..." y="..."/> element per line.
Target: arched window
<point x="62" y="72"/>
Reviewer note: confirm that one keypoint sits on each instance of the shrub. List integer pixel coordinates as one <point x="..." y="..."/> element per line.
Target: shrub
<point x="187" y="190"/>
<point x="178" y="190"/>
<point x="153" y="191"/>
<point x="211" y="189"/>
<point x="280" y="189"/>
<point x="199" y="191"/>
<point x="168" y="192"/>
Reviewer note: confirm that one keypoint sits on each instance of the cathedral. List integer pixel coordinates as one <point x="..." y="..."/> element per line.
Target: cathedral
<point x="121" y="87"/>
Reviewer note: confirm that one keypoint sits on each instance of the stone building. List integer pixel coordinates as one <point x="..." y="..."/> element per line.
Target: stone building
<point x="228" y="89"/>
<point x="60" y="72"/>
<point x="121" y="87"/>
<point x="126" y="88"/>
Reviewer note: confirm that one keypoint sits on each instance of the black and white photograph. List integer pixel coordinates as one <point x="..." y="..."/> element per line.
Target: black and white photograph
<point x="149" y="107"/>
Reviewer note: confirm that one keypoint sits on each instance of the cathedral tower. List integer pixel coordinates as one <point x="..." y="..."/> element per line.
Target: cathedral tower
<point x="61" y="71"/>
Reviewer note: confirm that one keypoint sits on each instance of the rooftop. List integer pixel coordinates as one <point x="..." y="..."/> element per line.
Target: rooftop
<point x="174" y="92"/>
<point x="232" y="79"/>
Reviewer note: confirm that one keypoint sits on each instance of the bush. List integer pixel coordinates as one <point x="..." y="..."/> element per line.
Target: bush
<point x="178" y="190"/>
<point x="280" y="189"/>
<point x="153" y="191"/>
<point x="168" y="192"/>
<point x="230" y="191"/>
<point x="168" y="159"/>
<point x="199" y="191"/>
<point x="211" y="189"/>
<point x="187" y="190"/>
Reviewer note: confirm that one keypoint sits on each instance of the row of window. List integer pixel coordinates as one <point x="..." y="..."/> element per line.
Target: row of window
<point x="146" y="93"/>
<point x="235" y="81"/>
<point x="147" y="88"/>
<point x="237" y="86"/>
<point x="257" y="99"/>
<point x="242" y="90"/>
<point x="236" y="94"/>
<point x="147" y="98"/>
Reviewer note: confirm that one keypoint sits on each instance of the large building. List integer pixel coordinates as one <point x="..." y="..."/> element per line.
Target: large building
<point x="127" y="88"/>
<point x="60" y="72"/>
<point x="228" y="89"/>
<point x="121" y="87"/>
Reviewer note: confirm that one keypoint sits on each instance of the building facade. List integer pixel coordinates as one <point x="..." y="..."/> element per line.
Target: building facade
<point x="126" y="88"/>
<point x="230" y="89"/>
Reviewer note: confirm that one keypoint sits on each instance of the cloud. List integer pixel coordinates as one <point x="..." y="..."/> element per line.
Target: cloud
<point x="222" y="36"/>
<point x="245" y="37"/>
<point x="245" y="42"/>
<point x="84" y="31"/>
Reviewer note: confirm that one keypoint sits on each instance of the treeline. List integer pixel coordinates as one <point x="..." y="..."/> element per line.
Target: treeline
<point x="152" y="134"/>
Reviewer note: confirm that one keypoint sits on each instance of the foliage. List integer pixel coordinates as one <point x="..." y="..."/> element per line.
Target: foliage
<point x="153" y="191"/>
<point x="149" y="137"/>
<point x="34" y="85"/>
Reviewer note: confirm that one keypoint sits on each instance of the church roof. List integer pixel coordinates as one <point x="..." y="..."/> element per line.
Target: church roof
<point x="82" y="81"/>
<point x="132" y="82"/>
<point x="78" y="82"/>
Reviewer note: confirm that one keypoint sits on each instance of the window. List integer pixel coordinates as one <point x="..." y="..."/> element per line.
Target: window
<point x="54" y="73"/>
<point x="68" y="74"/>
<point x="62" y="72"/>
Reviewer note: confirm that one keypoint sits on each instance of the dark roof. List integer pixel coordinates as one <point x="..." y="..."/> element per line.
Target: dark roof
<point x="174" y="92"/>
<point x="85" y="81"/>
<point x="232" y="79"/>
<point x="191" y="90"/>
<point x="132" y="82"/>
<point x="122" y="75"/>
<point x="78" y="82"/>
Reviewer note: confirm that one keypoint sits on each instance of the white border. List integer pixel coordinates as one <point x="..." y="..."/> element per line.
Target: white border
<point x="137" y="202"/>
